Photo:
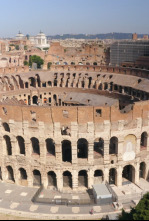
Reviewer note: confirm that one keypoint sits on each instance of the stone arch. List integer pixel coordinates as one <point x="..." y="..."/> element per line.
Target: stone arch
<point x="50" y="145"/>
<point x="66" y="151"/>
<point x="23" y="177"/>
<point x="21" y="144"/>
<point x="144" y="139"/>
<point x="23" y="174"/>
<point x="10" y="174"/>
<point x="52" y="180"/>
<point x="83" y="178"/>
<point x="128" y="174"/>
<point x="98" y="148"/>
<point x="98" y="177"/>
<point x="8" y="145"/>
<point x="113" y="148"/>
<point x="37" y="178"/>
<point x="6" y="127"/>
<point x="67" y="179"/>
<point x="113" y="176"/>
<point x="82" y="147"/>
<point x="32" y="82"/>
<point x="35" y="146"/>
<point x="142" y="173"/>
<point x="35" y="100"/>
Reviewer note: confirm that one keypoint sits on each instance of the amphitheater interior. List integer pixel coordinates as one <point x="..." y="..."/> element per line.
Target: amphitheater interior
<point x="74" y="126"/>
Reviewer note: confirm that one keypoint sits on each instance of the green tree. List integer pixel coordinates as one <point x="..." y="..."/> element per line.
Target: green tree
<point x="141" y="212"/>
<point x="25" y="47"/>
<point x="17" y="47"/>
<point x="36" y="59"/>
<point x="26" y="63"/>
<point x="49" y="65"/>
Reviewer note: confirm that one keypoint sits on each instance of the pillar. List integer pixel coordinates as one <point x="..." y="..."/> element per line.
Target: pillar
<point x="75" y="183"/>
<point x="60" y="181"/>
<point x="74" y="153"/>
<point x="106" y="152"/>
<point x="137" y="173"/>
<point x="119" y="176"/>
<point x="106" y="175"/>
<point x="58" y="151"/>
<point x="90" y="179"/>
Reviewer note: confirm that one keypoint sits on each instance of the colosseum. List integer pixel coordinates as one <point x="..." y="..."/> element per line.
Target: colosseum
<point x="71" y="127"/>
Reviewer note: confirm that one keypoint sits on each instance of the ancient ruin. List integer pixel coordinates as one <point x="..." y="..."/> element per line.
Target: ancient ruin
<point x="71" y="127"/>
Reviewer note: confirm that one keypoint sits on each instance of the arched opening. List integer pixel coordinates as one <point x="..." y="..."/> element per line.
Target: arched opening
<point x="10" y="176"/>
<point x="35" y="146"/>
<point x="129" y="174"/>
<point x="21" y="144"/>
<point x="113" y="146"/>
<point x="37" y="178"/>
<point x="32" y="82"/>
<point x="142" y="170"/>
<point x="144" y="138"/>
<point x="6" y="127"/>
<point x="49" y="83"/>
<point x="45" y="100"/>
<point x="66" y="151"/>
<point x="98" y="148"/>
<point x="67" y="179"/>
<point x="113" y="177"/>
<point x="98" y="177"/>
<point x="82" y="147"/>
<point x="23" y="174"/>
<point x="8" y="145"/>
<point x="35" y="100"/>
<point x="95" y="63"/>
<point x="50" y="147"/>
<point x="83" y="179"/>
<point x="26" y="84"/>
<point x="52" y="182"/>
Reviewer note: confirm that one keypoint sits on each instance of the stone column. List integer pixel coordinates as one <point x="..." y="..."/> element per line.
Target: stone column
<point x="30" y="178"/>
<point x="137" y="173"/>
<point x="138" y="147"/>
<point x="42" y="151"/>
<point x="14" y="147"/>
<point x="44" y="178"/>
<point x="59" y="181"/>
<point x="90" y="179"/>
<point x="28" y="148"/>
<point x="58" y="151"/>
<point x="74" y="153"/>
<point x="119" y="176"/>
<point x="106" y="174"/>
<point x="75" y="180"/>
<point x="106" y="152"/>
<point x="120" y="149"/>
<point x="90" y="153"/>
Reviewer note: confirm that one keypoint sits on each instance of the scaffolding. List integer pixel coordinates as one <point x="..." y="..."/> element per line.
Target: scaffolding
<point x="128" y="51"/>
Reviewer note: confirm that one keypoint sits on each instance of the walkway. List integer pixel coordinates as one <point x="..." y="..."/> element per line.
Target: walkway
<point x="16" y="200"/>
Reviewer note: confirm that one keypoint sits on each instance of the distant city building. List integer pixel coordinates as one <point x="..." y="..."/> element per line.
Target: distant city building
<point x="134" y="36"/>
<point x="20" y="36"/>
<point x="128" y="51"/>
<point x="39" y="41"/>
<point x="145" y="37"/>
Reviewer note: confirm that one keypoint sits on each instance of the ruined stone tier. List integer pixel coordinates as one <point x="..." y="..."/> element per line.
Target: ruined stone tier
<point x="70" y="144"/>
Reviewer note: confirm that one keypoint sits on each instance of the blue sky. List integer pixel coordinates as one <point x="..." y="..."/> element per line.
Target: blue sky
<point x="73" y="16"/>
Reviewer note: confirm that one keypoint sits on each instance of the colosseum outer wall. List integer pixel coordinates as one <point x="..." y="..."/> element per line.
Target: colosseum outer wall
<point x="83" y="122"/>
